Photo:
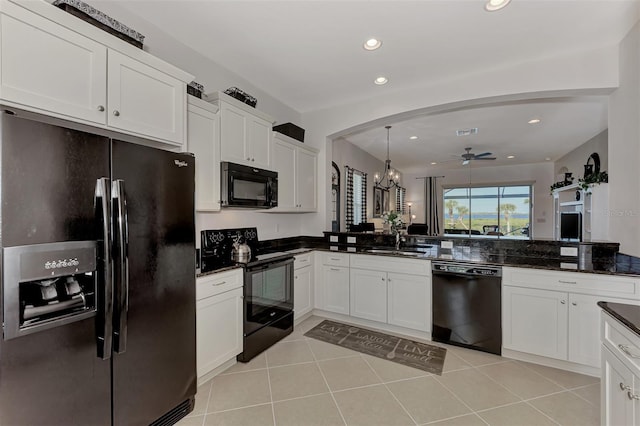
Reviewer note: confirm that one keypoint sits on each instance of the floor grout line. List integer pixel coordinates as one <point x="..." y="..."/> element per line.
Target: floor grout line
<point x="273" y="411"/>
<point x="389" y="390"/>
<point x="328" y="387"/>
<point x="541" y="412"/>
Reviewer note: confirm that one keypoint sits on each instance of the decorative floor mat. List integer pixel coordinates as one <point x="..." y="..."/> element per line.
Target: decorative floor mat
<point x="397" y="349"/>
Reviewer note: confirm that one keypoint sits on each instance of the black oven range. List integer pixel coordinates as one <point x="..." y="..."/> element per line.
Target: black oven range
<point x="268" y="287"/>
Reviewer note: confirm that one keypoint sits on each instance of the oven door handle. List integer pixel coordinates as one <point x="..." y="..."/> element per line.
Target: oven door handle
<point x="282" y="262"/>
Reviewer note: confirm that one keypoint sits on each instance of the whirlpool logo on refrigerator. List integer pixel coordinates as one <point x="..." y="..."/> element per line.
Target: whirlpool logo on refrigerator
<point x="180" y="163"/>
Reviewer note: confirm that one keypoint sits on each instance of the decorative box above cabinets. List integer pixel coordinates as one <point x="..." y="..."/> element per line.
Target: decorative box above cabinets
<point x="58" y="65"/>
<point x="245" y="133"/>
<point x="297" y="167"/>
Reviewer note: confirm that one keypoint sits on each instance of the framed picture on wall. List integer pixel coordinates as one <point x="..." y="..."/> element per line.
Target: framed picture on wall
<point x="386" y="199"/>
<point x="378" y="201"/>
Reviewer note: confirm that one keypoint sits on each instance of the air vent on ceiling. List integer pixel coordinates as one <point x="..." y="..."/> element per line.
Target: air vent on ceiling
<point x="467" y="132"/>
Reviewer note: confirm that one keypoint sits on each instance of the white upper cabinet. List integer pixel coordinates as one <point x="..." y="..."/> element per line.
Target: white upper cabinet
<point x="50" y="68"/>
<point x="58" y="65"/>
<point x="144" y="100"/>
<point x="297" y="167"/>
<point x="203" y="130"/>
<point x="245" y="133"/>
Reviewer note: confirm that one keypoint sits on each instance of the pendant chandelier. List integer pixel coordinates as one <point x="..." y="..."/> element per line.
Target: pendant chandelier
<point x="389" y="178"/>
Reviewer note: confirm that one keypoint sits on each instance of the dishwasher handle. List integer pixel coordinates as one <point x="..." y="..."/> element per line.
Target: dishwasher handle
<point x="454" y="268"/>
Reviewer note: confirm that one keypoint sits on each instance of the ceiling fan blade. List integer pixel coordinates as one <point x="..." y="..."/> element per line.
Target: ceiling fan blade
<point x="485" y="158"/>
<point x="465" y="162"/>
<point x="484" y="154"/>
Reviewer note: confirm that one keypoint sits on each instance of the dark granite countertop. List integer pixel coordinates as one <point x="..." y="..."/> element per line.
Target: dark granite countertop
<point x="629" y="315"/>
<point x="477" y="255"/>
<point x="597" y="258"/>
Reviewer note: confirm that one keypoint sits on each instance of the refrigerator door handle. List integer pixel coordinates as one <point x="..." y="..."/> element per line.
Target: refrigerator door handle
<point x="121" y="231"/>
<point x="104" y="317"/>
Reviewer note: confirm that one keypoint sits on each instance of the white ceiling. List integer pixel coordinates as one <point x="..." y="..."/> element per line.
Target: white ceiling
<point x="309" y="55"/>
<point x="503" y="130"/>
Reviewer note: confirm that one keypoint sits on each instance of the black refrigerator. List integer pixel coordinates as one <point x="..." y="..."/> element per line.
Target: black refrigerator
<point x="98" y="279"/>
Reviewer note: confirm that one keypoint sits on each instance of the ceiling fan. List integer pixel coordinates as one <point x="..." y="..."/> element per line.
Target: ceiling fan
<point x="469" y="156"/>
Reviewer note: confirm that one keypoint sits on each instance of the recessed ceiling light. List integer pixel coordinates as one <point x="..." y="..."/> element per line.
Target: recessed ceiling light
<point x="413" y="138"/>
<point x="493" y="5"/>
<point x="433" y="163"/>
<point x="381" y="80"/>
<point x="534" y="121"/>
<point x="372" y="44"/>
<point x="547" y="159"/>
<point x="511" y="156"/>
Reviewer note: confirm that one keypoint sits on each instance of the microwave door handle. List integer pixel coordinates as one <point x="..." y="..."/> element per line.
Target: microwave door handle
<point x="104" y="315"/>
<point x="121" y="231"/>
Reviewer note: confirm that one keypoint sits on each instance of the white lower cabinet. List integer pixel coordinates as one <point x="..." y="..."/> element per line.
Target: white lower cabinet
<point x="218" y="320"/>
<point x="618" y="408"/>
<point x="332" y="282"/>
<point x="620" y="381"/>
<point x="335" y="290"/>
<point x="302" y="285"/>
<point x="368" y="294"/>
<point x="409" y="301"/>
<point x="537" y="321"/>
<point x="559" y="317"/>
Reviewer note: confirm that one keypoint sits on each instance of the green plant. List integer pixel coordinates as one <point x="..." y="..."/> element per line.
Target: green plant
<point x="393" y="219"/>
<point x="593" y="179"/>
<point x="560" y="184"/>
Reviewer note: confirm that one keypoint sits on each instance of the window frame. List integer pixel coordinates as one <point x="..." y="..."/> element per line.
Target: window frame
<point x="500" y="187"/>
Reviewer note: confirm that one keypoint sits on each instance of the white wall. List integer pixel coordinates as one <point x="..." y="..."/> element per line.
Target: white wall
<point x="347" y="154"/>
<point x="575" y="160"/>
<point x="541" y="174"/>
<point x="589" y="72"/>
<point x="624" y="149"/>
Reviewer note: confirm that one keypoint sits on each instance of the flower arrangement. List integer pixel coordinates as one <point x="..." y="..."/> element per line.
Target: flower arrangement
<point x="393" y="219"/>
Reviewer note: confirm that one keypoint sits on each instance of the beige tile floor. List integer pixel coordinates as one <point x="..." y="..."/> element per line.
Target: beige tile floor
<point x="305" y="382"/>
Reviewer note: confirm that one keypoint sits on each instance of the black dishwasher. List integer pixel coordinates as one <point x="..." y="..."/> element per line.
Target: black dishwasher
<point x="467" y="305"/>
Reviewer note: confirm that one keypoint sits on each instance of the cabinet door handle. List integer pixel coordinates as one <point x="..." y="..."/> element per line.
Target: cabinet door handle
<point x="333" y="258"/>
<point x="625" y="349"/>
<point x="563" y="302"/>
<point x="632" y="396"/>
<point x="334" y="269"/>
<point x="116" y="112"/>
<point x="220" y="283"/>
<point x="296" y="277"/>
<point x="624" y="387"/>
<point x="253" y="159"/>
<point x="574" y="303"/>
<point x="382" y="279"/>
<point x="100" y="108"/>
<point x="567" y="282"/>
<point x="248" y="158"/>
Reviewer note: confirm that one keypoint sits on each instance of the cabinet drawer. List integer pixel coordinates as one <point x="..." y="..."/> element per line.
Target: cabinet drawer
<point x="576" y="282"/>
<point x="391" y="264"/>
<point x="621" y="341"/>
<point x="211" y="285"/>
<point x="335" y="259"/>
<point x="302" y="260"/>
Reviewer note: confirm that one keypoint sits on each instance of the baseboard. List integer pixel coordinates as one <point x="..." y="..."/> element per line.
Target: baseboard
<point x="550" y="362"/>
<point x="213" y="373"/>
<point x="301" y="318"/>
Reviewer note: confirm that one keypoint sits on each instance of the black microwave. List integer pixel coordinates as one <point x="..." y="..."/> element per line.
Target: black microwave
<point x="249" y="187"/>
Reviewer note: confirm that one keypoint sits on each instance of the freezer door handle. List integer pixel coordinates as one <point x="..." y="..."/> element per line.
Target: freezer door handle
<point x="121" y="231"/>
<point x="104" y="317"/>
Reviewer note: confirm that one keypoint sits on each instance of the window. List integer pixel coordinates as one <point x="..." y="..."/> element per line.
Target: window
<point x="356" y="197"/>
<point x="497" y="211"/>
